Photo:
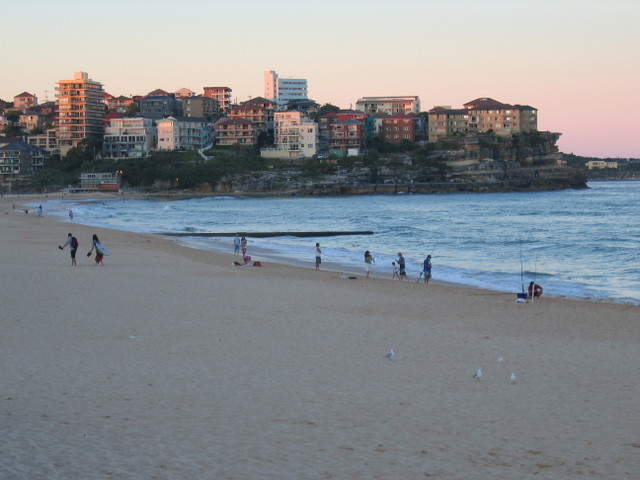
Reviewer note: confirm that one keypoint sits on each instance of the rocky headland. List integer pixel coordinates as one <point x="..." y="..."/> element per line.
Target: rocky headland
<point x="473" y="163"/>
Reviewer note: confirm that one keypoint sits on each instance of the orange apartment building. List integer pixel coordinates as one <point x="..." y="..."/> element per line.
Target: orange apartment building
<point x="235" y="131"/>
<point x="258" y="111"/>
<point x="221" y="94"/>
<point x="79" y="110"/>
<point x="482" y="115"/>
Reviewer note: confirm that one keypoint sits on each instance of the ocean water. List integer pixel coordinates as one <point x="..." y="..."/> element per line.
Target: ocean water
<point x="575" y="243"/>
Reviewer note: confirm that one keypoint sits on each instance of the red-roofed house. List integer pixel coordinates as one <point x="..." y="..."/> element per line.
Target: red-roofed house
<point x="184" y="93"/>
<point x="158" y="93"/>
<point x="110" y="115"/>
<point x="119" y="104"/>
<point x="24" y="101"/>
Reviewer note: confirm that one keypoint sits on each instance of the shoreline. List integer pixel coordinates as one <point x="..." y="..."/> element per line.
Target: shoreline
<point x="169" y="363"/>
<point x="274" y="257"/>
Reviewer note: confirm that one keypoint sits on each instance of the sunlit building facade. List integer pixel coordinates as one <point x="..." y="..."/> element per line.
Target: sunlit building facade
<point x="79" y="110"/>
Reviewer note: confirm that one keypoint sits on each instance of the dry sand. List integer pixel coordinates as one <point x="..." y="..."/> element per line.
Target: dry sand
<point x="168" y="363"/>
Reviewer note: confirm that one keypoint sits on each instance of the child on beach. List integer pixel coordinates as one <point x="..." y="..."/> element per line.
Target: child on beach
<point x="396" y="270"/>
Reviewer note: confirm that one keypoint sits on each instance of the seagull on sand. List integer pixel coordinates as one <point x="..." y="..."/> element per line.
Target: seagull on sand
<point x="390" y="354"/>
<point x="478" y="374"/>
<point x="500" y="360"/>
<point x="513" y="378"/>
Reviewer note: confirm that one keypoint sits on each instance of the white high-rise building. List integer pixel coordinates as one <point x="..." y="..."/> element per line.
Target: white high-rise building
<point x="283" y="90"/>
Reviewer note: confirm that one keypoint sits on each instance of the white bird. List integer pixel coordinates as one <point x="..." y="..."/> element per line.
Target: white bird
<point x="500" y="360"/>
<point x="390" y="354"/>
<point x="513" y="378"/>
<point x="478" y="374"/>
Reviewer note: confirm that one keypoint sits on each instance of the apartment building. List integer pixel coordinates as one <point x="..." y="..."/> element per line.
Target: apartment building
<point x="482" y="115"/>
<point x="200" y="106"/>
<point x="221" y="94"/>
<point x="600" y="164"/>
<point x="129" y="137"/>
<point x="445" y="122"/>
<point x="18" y="159"/>
<point x="325" y="121"/>
<point x="400" y="127"/>
<point x="47" y="141"/>
<point x="160" y="106"/>
<point x="388" y="105"/>
<point x="31" y="121"/>
<point x="235" y="131"/>
<point x="79" y="110"/>
<point x="119" y="104"/>
<point x="258" y="111"/>
<point x="296" y="136"/>
<point x="347" y="137"/>
<point x="184" y="133"/>
<point x="284" y="90"/>
<point x="24" y="101"/>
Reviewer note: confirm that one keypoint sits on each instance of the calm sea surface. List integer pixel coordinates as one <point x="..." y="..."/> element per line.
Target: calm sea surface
<point x="575" y="243"/>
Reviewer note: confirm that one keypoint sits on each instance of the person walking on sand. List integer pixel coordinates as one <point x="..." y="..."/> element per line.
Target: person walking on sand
<point x="318" y="256"/>
<point x="396" y="271"/>
<point x="73" y="247"/>
<point x="243" y="245"/>
<point x="403" y="267"/>
<point x="236" y="245"/>
<point x="368" y="262"/>
<point x="99" y="250"/>
<point x="426" y="269"/>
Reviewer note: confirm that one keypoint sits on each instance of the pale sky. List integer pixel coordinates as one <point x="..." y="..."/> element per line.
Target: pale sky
<point x="576" y="61"/>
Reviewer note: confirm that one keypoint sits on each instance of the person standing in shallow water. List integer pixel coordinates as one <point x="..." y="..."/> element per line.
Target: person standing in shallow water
<point x="318" y="256"/>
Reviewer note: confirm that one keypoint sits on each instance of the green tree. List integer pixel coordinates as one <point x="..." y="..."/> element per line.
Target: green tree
<point x="132" y="110"/>
<point x="13" y="116"/>
<point x="85" y="151"/>
<point x="323" y="110"/>
<point x="12" y="131"/>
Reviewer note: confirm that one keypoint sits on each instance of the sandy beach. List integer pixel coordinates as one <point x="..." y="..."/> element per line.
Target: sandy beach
<point x="169" y="363"/>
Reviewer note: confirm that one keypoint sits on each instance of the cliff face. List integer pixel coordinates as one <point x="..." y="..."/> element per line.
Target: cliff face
<point x="478" y="163"/>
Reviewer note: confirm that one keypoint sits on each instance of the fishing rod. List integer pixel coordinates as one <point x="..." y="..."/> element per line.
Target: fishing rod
<point x="521" y="264"/>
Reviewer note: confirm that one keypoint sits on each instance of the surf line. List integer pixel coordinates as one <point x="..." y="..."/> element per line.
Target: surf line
<point x="268" y="234"/>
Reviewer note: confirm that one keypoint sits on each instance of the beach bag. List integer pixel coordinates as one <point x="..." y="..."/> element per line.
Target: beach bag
<point x="74" y="242"/>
